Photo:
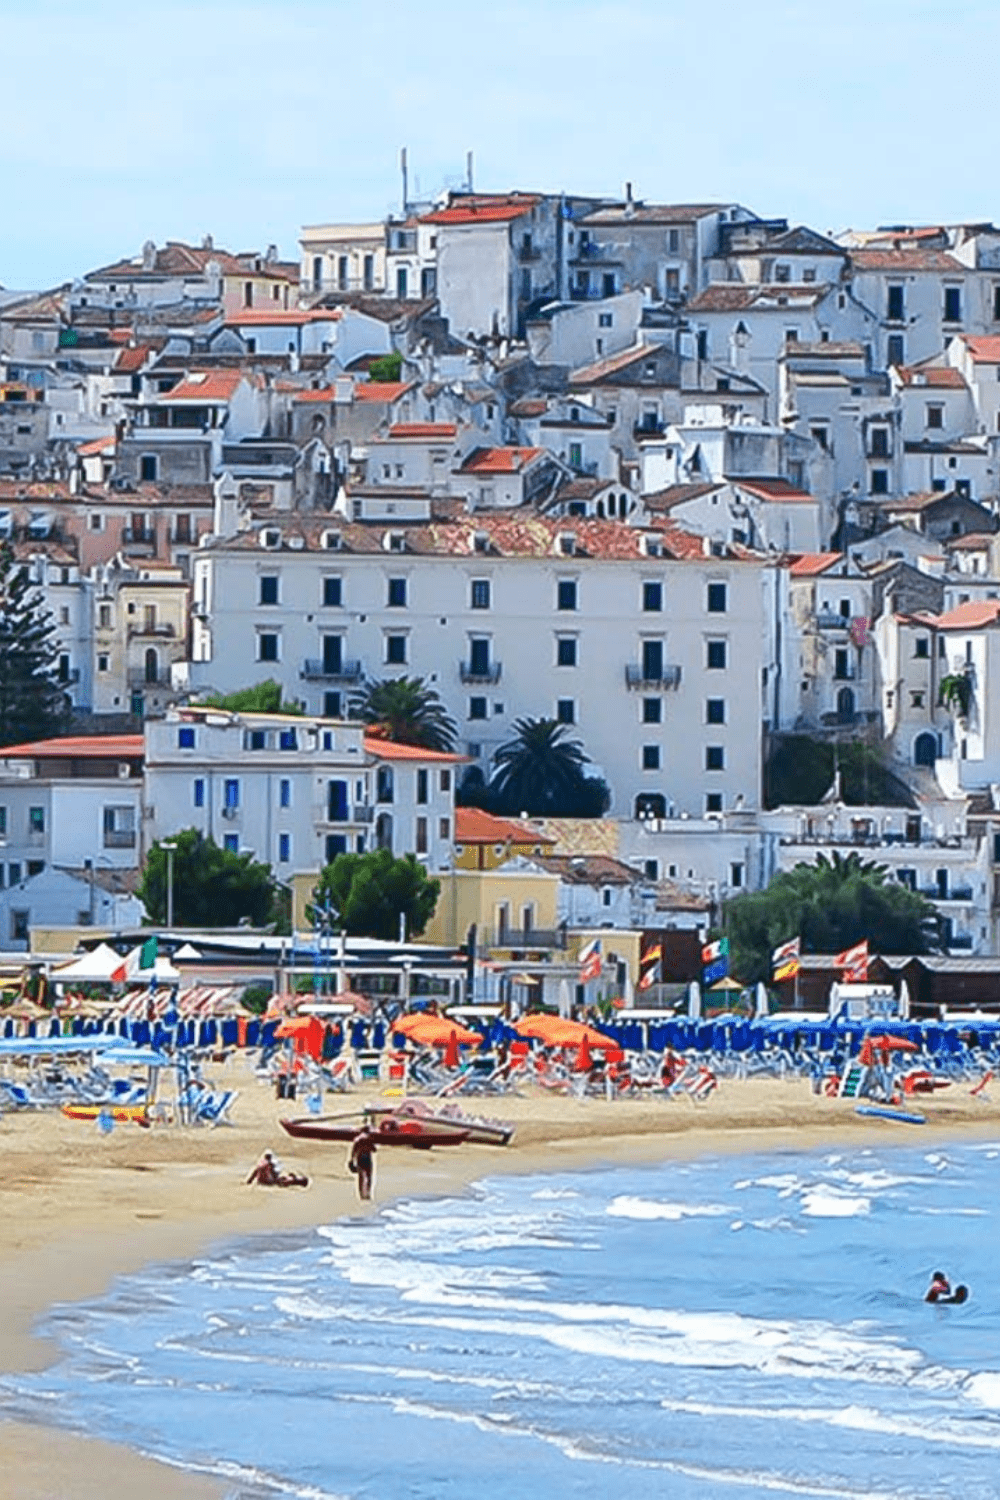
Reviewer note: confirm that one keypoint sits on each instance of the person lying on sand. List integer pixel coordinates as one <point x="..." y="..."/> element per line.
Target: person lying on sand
<point x="267" y="1173"/>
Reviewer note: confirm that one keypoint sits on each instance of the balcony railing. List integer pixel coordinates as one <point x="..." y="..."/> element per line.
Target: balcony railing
<point x="956" y="893"/>
<point x="138" y="536"/>
<point x="314" y="670"/>
<point x="649" y="429"/>
<point x="667" y="676"/>
<point x="522" y="938"/>
<point x="827" y="620"/>
<point x="139" y="678"/>
<point x="480" y="672"/>
<point x="362" y="813"/>
<point x="119" y="838"/>
<point x="167" y="632"/>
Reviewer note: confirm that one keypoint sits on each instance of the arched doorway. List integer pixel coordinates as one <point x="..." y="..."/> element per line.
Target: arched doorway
<point x="845" y="706"/>
<point x="152" y="665"/>
<point x="925" y="749"/>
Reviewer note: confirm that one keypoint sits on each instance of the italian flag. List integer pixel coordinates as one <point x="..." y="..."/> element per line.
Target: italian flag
<point x="135" y="962"/>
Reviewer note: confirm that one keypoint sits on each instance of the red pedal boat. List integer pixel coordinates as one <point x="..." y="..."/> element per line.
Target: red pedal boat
<point x="389" y="1132"/>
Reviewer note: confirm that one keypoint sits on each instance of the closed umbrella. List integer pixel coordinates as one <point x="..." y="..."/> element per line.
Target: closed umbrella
<point x="451" y="1058"/>
<point x="584" y="1057"/>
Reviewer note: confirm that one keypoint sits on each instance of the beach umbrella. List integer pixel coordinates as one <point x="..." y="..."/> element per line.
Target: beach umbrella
<point x="555" y="1031"/>
<point x="436" y="1031"/>
<point x="451" y="1058"/>
<point x="584" y="1057"/>
<point x="306" y="1032"/>
<point x="885" y="1045"/>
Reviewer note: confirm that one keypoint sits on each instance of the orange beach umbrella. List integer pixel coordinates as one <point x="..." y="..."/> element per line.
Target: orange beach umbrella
<point x="556" y="1031"/>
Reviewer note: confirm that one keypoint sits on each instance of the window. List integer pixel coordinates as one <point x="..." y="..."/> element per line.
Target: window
<point x="921" y="646"/>
<point x="3" y="822"/>
<point x="715" y="655"/>
<point x="395" y="650"/>
<point x="198" y="791"/>
<point x="444" y="781"/>
<point x="736" y="875"/>
<point x="650" y="757"/>
<point x="566" y="594"/>
<point x="717" y="601"/>
<point x="479" y="656"/>
<point x="231" y="792"/>
<point x="95" y="521"/>
<point x="477" y="708"/>
<point x="421" y="838"/>
<point x="566" y="651"/>
<point x="935" y="415"/>
<point x="713" y="802"/>
<point x="652" y="661"/>
<point x="284" y="848"/>
<point x="288" y="740"/>
<point x="480" y="593"/>
<point x="715" y="758"/>
<point x="268" y="588"/>
<point x="715" y="711"/>
<point x="953" y="304"/>
<point x="652" y="597"/>
<point x="231" y="843"/>
<point x="444" y="828"/>
<point x="422" y="788"/>
<point x="566" y="711"/>
<point x="651" y="869"/>
<point x="821" y="436"/>
<point x="185" y="737"/>
<point x="332" y="706"/>
<point x="333" y="593"/>
<point x="149" y="468"/>
<point x="605" y="320"/>
<point x="396" y="596"/>
<point x="14" y="873"/>
<point x="842" y="665"/>
<point x="267" y="646"/>
<point x="879" y="447"/>
<point x="284" y="792"/>
<point x="36" y="819"/>
<point x="895" y="304"/>
<point x="335" y="843"/>
<point x="19" y="922"/>
<point x="895" y="349"/>
<point x="257" y="739"/>
<point x="652" y="710"/>
<point x="879" y="484"/>
<point x="917" y="700"/>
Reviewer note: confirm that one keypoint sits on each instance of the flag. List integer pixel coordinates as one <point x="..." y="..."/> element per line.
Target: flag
<point x="854" y="962"/>
<point x="591" y="960"/>
<point x="786" y="960"/>
<point x="649" y="967"/>
<point x="712" y="952"/>
<point x="713" y="972"/>
<point x="132" y="963"/>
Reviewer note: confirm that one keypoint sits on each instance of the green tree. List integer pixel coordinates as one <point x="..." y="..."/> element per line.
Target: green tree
<point x="386" y="367"/>
<point x="406" y="710"/>
<point x="801" y="770"/>
<point x="33" y="704"/>
<point x="212" y="887"/>
<point x="830" y="905"/>
<point x="260" y="698"/>
<point x="368" y="892"/>
<point x="543" y="772"/>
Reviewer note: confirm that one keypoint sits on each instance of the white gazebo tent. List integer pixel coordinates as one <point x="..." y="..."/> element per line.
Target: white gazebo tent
<point x="95" y="967"/>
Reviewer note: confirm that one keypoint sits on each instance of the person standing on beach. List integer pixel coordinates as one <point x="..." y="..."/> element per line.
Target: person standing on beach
<point x="362" y="1161"/>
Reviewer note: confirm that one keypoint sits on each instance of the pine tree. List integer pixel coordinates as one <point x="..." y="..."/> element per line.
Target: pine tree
<point x="33" y="706"/>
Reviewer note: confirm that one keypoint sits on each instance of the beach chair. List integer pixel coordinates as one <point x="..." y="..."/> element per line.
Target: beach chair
<point x="213" y="1109"/>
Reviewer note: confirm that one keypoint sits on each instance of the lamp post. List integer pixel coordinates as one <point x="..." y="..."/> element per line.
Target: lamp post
<point x="168" y="846"/>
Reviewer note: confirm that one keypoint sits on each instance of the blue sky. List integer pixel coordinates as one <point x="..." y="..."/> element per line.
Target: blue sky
<point x="124" y="122"/>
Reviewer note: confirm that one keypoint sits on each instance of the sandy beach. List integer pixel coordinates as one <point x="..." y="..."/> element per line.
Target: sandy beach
<point x="78" y="1208"/>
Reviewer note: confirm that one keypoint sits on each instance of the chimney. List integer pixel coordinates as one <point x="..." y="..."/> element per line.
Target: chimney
<point x="629" y="202"/>
<point x="208" y="243"/>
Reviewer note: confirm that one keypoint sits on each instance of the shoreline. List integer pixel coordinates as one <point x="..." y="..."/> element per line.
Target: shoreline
<point x="78" y="1209"/>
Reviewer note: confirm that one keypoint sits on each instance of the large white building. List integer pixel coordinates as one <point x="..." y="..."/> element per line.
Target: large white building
<point x="657" y="651"/>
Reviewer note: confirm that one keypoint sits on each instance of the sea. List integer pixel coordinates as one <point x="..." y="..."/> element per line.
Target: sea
<point x="719" y="1329"/>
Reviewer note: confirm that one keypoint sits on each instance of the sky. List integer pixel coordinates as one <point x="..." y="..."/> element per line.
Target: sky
<point x="246" y="119"/>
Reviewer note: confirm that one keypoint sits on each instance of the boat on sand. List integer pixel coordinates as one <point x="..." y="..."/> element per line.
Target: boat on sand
<point x="474" y="1128"/>
<point x="388" y="1132"/>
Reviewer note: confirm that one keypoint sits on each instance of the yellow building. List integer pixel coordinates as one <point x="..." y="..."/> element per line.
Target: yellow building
<point x="482" y="841"/>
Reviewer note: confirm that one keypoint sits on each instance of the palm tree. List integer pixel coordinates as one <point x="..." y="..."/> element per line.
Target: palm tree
<point x="406" y="710"/>
<point x="541" y="771"/>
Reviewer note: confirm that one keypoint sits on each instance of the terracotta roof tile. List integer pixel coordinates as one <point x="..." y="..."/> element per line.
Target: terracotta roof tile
<point x="423" y="431"/>
<point x="595" y="373"/>
<point x="972" y="616"/>
<point x="933" y="377"/>
<point x="132" y="358"/>
<point x="778" y="491"/>
<point x="204" y="386"/>
<point x="812" y="564"/>
<point x="381" y="390"/>
<point x="79" y="747"/>
<point x="728" y="296"/>
<point x="475" y="826"/>
<point x="392" y="750"/>
<point x="500" y="460"/>
<point x="262" y="317"/>
<point x="95" y="446"/>
<point x="985" y="349"/>
<point x="483" y="209"/>
<point x="906" y="260"/>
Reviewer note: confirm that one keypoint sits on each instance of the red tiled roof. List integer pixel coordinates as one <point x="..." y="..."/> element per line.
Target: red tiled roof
<point x="974" y="541"/>
<point x="427" y="431"/>
<point x="96" y="445"/>
<point x="593" y="374"/>
<point x="905" y="260"/>
<point x="936" y="377"/>
<point x="132" y="358"/>
<point x="500" y="460"/>
<point x="484" y="210"/>
<point x="776" y="490"/>
<point x="727" y="296"/>
<point x="392" y="750"/>
<point x="204" y="386"/>
<point x="79" y="747"/>
<point x="972" y="616"/>
<point x="282" y="317"/>
<point x="381" y="390"/>
<point x="984" y="348"/>
<point x="812" y="564"/>
<point x="474" y="826"/>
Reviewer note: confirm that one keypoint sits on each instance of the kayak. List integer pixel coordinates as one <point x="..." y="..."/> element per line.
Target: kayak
<point x="139" y="1113"/>
<point x="884" y="1112"/>
<point x="390" y="1132"/>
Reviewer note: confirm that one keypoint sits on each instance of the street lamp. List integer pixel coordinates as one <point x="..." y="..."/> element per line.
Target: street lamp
<point x="169" y="846"/>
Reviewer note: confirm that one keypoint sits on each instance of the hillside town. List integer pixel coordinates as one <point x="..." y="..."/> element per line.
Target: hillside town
<point x="717" y="493"/>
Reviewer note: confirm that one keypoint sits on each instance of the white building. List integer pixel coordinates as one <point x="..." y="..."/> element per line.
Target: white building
<point x="295" y="792"/>
<point x="657" y="650"/>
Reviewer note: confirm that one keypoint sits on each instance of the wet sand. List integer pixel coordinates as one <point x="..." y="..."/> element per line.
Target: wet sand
<point x="78" y="1208"/>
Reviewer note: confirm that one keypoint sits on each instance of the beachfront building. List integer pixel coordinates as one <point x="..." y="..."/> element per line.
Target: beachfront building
<point x="653" y="646"/>
<point x="295" y="792"/>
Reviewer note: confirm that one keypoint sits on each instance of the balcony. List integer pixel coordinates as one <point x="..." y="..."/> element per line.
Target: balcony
<point x="523" y="938"/>
<point x="119" y="838"/>
<point x="314" y="670"/>
<point x="138" y="538"/>
<point x="649" y="679"/>
<point x="827" y="620"/>
<point x="647" y="429"/>
<point x="138" y="678"/>
<point x="164" y="632"/>
<point x="485" y="672"/>
<point x="362" y="813"/>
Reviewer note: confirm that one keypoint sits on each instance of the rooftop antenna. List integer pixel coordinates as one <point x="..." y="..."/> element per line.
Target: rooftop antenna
<point x="402" y="169"/>
<point x="468" y="171"/>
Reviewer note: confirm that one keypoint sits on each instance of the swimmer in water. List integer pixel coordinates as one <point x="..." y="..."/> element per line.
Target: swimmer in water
<point x="939" y="1289"/>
